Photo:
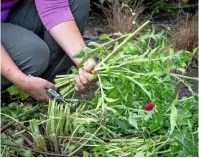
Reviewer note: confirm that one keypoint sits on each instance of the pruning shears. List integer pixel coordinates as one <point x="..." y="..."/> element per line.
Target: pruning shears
<point x="54" y="94"/>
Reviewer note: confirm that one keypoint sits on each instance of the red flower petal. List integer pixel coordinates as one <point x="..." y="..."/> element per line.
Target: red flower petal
<point x="149" y="106"/>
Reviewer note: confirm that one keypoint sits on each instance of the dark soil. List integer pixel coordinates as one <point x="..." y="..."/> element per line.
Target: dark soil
<point x="96" y="25"/>
<point x="192" y="71"/>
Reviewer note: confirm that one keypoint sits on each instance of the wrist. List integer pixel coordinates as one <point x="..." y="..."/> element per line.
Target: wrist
<point x="76" y="61"/>
<point x="22" y="82"/>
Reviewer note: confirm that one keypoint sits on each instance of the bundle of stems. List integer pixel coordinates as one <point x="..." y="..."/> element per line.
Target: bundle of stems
<point x="58" y="122"/>
<point x="38" y="139"/>
<point x="67" y="81"/>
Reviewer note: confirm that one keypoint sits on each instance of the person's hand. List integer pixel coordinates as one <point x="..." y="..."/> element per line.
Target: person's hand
<point x="36" y="87"/>
<point x="84" y="80"/>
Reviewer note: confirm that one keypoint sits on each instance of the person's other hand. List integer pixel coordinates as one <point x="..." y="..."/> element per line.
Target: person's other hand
<point x="36" y="87"/>
<point x="84" y="80"/>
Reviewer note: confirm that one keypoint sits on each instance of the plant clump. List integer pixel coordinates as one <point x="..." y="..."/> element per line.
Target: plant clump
<point x="184" y="34"/>
<point x="121" y="17"/>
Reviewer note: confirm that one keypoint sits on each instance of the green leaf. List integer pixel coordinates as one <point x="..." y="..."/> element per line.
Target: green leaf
<point x="74" y="70"/>
<point x="99" y="103"/>
<point x="133" y="121"/>
<point x="173" y="116"/>
<point x="171" y="50"/>
<point x="85" y="154"/>
<point x="139" y="154"/>
<point x="111" y="109"/>
<point x="84" y="54"/>
<point x="148" y="115"/>
<point x="27" y="153"/>
<point x="19" y="142"/>
<point x="132" y="49"/>
<point x="71" y="147"/>
<point x="118" y="34"/>
<point x="141" y="86"/>
<point x="13" y="90"/>
<point x="121" y="124"/>
<point x="107" y="87"/>
<point x="95" y="44"/>
<point x="110" y="100"/>
<point x="104" y="36"/>
<point x="23" y="95"/>
<point x="195" y="50"/>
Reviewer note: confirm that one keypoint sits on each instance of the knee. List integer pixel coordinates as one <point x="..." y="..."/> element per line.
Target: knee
<point x="29" y="52"/>
<point x="34" y="58"/>
<point x="80" y="10"/>
<point x="40" y="58"/>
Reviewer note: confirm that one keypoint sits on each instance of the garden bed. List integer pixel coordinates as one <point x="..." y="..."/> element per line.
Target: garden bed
<point x="145" y="103"/>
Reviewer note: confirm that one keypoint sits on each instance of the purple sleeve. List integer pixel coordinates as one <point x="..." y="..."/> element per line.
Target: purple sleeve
<point x="53" y="12"/>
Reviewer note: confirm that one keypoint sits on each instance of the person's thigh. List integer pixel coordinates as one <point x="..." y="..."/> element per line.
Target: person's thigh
<point x="27" y="50"/>
<point x="25" y="14"/>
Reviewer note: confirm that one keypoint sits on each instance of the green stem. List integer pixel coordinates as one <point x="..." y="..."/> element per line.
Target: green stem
<point x="66" y="89"/>
<point x="159" y="147"/>
<point x="69" y="92"/>
<point x="121" y="44"/>
<point x="108" y="43"/>
<point x="140" y="85"/>
<point x="161" y="152"/>
<point x="61" y="79"/>
<point x="132" y="62"/>
<point x="133" y="140"/>
<point x="64" y="82"/>
<point x="65" y="76"/>
<point x="182" y="76"/>
<point x="185" y="99"/>
<point x="75" y="151"/>
<point x="102" y="92"/>
<point x="137" y="73"/>
<point x="74" y="132"/>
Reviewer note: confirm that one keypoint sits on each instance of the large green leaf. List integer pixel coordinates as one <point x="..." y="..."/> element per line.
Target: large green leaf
<point x="133" y="121"/>
<point x="173" y="116"/>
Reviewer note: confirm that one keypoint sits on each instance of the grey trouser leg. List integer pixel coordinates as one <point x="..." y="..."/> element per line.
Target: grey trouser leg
<point x="29" y="52"/>
<point x="26" y="17"/>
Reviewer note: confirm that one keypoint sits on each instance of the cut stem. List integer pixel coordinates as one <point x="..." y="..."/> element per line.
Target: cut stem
<point x="121" y="44"/>
<point x="182" y="76"/>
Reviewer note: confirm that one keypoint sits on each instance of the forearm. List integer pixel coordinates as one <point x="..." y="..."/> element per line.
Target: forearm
<point x="10" y="70"/>
<point x="69" y="38"/>
<point x="59" y="21"/>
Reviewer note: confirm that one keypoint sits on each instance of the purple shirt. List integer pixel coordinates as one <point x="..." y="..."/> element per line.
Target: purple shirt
<point x="51" y="12"/>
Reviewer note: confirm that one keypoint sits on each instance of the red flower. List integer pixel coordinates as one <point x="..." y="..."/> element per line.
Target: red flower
<point x="149" y="106"/>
